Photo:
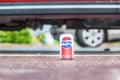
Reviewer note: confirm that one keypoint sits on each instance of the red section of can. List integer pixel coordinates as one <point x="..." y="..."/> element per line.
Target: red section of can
<point x="66" y="46"/>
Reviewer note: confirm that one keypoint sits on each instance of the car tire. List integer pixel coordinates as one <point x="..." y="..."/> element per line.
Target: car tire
<point x="90" y="37"/>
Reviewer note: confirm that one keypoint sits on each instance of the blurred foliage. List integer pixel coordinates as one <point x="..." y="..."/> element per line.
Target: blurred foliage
<point x="35" y="39"/>
<point x="41" y="37"/>
<point x="23" y="36"/>
<point x="116" y="42"/>
<point x="56" y="42"/>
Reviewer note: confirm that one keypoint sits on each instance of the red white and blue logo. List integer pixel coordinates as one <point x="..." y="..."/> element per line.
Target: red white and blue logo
<point x="66" y="43"/>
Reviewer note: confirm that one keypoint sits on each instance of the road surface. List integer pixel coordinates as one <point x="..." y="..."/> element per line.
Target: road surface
<point x="52" y="68"/>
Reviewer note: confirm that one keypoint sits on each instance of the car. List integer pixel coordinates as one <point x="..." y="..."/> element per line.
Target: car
<point x="89" y="37"/>
<point x="91" y="18"/>
<point x="96" y="37"/>
<point x="76" y="14"/>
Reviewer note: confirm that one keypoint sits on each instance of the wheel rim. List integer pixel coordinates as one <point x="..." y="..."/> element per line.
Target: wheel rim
<point x="93" y="37"/>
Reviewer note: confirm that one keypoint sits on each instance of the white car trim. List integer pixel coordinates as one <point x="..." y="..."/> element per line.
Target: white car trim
<point x="58" y="7"/>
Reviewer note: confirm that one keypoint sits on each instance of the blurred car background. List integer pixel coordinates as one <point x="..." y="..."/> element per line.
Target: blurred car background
<point x="89" y="37"/>
<point x="50" y="35"/>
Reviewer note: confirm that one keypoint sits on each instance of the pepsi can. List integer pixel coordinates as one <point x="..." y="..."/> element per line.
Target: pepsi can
<point x="66" y="46"/>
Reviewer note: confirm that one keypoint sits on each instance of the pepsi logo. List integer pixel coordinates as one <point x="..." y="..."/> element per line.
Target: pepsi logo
<point x="66" y="43"/>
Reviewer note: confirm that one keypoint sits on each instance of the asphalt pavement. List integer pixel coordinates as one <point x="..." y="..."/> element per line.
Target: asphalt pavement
<point x="40" y="67"/>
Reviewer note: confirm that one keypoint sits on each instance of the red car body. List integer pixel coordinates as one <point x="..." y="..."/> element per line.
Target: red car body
<point x="57" y="0"/>
<point x="18" y="7"/>
<point x="47" y="11"/>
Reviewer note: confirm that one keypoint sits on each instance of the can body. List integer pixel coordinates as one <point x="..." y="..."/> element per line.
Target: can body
<point x="66" y="46"/>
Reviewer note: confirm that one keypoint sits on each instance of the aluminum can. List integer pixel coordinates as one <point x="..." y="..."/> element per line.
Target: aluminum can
<point x="66" y="46"/>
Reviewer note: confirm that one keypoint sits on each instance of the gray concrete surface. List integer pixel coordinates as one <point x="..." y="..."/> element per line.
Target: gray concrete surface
<point x="54" y="48"/>
<point x="52" y="68"/>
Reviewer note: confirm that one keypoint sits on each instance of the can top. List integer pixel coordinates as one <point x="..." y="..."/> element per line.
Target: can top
<point x="66" y="38"/>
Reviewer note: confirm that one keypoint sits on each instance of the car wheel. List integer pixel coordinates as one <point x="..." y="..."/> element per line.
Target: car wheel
<point x="90" y="37"/>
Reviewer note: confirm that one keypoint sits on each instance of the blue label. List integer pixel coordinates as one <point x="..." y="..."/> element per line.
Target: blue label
<point x="66" y="44"/>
